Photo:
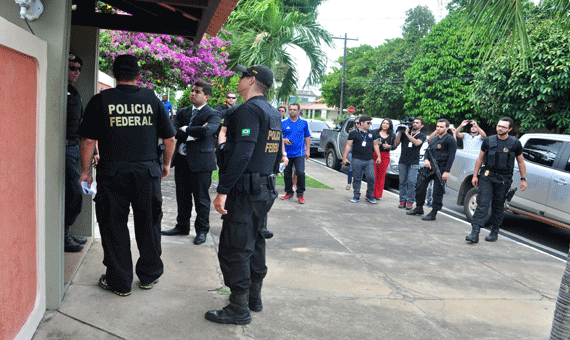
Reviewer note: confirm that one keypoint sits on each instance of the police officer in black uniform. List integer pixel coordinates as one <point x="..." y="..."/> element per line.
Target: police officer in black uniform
<point x="442" y="147"/>
<point x="246" y="192"/>
<point x="127" y="122"/>
<point x="497" y="156"/>
<point x="73" y="191"/>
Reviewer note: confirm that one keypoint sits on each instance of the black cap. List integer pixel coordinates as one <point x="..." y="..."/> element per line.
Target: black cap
<point x="262" y="73"/>
<point x="126" y="64"/>
<point x="75" y="59"/>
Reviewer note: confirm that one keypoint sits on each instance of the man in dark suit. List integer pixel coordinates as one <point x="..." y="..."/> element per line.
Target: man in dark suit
<point x="195" y="160"/>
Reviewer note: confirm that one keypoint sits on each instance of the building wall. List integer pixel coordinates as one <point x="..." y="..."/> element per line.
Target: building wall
<point x="23" y="78"/>
<point x="18" y="84"/>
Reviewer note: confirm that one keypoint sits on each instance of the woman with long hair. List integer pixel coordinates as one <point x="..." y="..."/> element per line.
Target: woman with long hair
<point x="386" y="139"/>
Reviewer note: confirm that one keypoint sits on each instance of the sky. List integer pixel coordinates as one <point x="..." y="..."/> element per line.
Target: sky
<point x="369" y="21"/>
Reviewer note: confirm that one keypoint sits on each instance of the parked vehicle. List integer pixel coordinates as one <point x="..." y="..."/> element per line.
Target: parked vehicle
<point x="333" y="141"/>
<point x="547" y="159"/>
<point x="316" y="127"/>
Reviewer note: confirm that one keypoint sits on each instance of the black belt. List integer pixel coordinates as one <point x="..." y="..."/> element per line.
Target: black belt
<point x="71" y="142"/>
<point x="263" y="179"/>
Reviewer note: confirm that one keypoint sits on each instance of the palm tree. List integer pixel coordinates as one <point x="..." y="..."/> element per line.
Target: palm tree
<point x="263" y="34"/>
<point x="503" y="22"/>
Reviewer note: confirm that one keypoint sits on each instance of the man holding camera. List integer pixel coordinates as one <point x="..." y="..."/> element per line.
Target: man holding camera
<point x="471" y="141"/>
<point x="409" y="163"/>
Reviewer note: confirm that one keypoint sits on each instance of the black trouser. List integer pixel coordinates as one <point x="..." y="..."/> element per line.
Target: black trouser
<point x="192" y="184"/>
<point x="73" y="191"/>
<point x="299" y="163"/>
<point x="242" y="246"/>
<point x="120" y="185"/>
<point x="492" y="192"/>
<point x="425" y="175"/>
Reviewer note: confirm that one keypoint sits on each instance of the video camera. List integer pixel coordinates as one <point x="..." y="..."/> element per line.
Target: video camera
<point x="408" y="123"/>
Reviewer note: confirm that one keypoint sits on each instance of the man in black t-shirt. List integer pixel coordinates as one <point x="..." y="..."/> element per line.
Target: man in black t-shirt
<point x="127" y="122"/>
<point x="409" y="163"/>
<point x="363" y="142"/>
<point x="246" y="193"/>
<point x="497" y="158"/>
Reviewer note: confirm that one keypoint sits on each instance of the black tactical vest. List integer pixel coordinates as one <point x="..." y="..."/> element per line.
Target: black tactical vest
<point x="500" y="159"/>
<point x="131" y="132"/>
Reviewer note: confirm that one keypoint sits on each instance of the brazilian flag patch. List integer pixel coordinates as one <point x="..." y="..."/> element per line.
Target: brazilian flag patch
<point x="245" y="132"/>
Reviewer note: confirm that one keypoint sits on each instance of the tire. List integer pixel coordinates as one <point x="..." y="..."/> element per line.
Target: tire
<point x="331" y="160"/>
<point x="470" y="204"/>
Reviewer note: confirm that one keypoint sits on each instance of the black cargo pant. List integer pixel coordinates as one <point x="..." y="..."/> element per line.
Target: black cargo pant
<point x="426" y="175"/>
<point x="73" y="191"/>
<point x="492" y="192"/>
<point x="120" y="185"/>
<point x="242" y="246"/>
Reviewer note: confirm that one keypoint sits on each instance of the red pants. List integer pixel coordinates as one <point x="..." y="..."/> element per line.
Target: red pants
<point x="380" y="171"/>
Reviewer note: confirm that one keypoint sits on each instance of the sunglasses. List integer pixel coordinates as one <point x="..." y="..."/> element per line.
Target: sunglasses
<point x="231" y="97"/>
<point x="75" y="68"/>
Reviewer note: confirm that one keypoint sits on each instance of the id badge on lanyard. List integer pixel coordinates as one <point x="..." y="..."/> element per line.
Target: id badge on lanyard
<point x="364" y="140"/>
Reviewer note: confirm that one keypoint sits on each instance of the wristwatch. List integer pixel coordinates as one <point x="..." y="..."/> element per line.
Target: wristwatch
<point x="523" y="178"/>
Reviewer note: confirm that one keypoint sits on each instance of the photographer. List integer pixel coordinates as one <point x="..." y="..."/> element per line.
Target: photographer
<point x="474" y="139"/>
<point x="409" y="163"/>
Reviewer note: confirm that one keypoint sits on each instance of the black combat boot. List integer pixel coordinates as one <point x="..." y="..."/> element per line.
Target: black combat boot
<point x="266" y="233"/>
<point x="493" y="235"/>
<point x="418" y="210"/>
<point x="430" y="216"/>
<point x="474" y="236"/>
<point x="255" y="296"/>
<point x="70" y="246"/>
<point x="236" y="312"/>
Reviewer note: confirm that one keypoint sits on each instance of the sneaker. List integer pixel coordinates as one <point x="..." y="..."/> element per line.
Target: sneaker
<point x="287" y="197"/>
<point x="371" y="200"/>
<point x="148" y="285"/>
<point x="355" y="199"/>
<point x="402" y="205"/>
<point x="103" y="284"/>
<point x="409" y="206"/>
<point x="301" y="200"/>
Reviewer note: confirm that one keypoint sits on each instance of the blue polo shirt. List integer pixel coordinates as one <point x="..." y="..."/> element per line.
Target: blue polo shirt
<point x="167" y="106"/>
<point x="296" y="132"/>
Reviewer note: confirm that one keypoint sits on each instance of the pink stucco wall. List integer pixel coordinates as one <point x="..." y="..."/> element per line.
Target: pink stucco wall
<point x="18" y="237"/>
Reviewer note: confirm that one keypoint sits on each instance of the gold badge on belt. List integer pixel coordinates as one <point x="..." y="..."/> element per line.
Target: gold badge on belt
<point x="486" y="173"/>
<point x="505" y="150"/>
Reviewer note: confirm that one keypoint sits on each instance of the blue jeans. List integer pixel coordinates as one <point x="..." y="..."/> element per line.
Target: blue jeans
<point x="408" y="177"/>
<point x="367" y="167"/>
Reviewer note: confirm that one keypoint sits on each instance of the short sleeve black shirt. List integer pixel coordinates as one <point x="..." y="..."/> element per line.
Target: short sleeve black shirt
<point x="410" y="154"/>
<point x="362" y="143"/>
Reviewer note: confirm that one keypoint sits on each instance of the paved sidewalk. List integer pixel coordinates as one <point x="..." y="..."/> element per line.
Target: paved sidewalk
<point x="337" y="270"/>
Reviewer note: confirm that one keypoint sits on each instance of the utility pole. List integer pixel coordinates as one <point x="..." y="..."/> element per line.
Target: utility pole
<point x="343" y="71"/>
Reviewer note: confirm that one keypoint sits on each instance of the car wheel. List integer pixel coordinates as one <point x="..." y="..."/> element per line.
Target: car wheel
<point x="331" y="160"/>
<point x="470" y="204"/>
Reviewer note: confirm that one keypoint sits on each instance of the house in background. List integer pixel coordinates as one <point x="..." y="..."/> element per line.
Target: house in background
<point x="313" y="106"/>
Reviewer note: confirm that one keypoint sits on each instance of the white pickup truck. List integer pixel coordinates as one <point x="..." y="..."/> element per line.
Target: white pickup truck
<point x="547" y="198"/>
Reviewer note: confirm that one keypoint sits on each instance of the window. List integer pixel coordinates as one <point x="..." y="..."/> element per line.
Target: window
<point x="541" y="151"/>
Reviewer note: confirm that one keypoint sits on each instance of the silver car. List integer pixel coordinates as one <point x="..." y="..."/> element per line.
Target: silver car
<point x="316" y="127"/>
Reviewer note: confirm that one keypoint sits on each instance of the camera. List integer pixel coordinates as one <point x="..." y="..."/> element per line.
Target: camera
<point x="408" y="123"/>
<point x="470" y="121"/>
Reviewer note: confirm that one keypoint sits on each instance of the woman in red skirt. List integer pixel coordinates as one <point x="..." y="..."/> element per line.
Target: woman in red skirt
<point x="386" y="133"/>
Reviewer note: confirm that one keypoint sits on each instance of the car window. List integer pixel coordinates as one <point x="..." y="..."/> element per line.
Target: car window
<point x="349" y="126"/>
<point x="541" y="151"/>
<point x="317" y="126"/>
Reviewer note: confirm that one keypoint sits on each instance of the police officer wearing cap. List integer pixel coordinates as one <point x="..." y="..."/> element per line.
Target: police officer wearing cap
<point x="246" y="192"/>
<point x="442" y="149"/>
<point x="493" y="174"/>
<point x="127" y="122"/>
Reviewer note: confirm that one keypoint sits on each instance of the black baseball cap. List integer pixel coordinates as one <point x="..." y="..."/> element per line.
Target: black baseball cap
<point x="262" y="73"/>
<point x="126" y="64"/>
<point x="75" y="59"/>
